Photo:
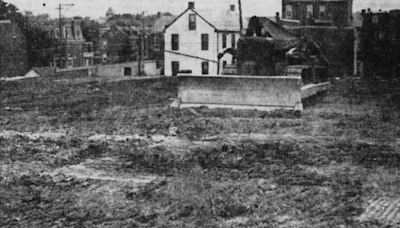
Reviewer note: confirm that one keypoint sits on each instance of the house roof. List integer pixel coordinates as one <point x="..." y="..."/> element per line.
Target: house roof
<point x="162" y="22"/>
<point x="226" y="20"/>
<point x="43" y="71"/>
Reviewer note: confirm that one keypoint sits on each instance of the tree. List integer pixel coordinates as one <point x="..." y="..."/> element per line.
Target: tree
<point x="91" y="31"/>
<point x="40" y="47"/>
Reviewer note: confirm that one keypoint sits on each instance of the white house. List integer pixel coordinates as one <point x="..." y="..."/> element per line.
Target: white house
<point x="195" y="39"/>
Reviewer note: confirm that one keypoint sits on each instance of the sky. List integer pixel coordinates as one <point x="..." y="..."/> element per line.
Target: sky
<point x="98" y="8"/>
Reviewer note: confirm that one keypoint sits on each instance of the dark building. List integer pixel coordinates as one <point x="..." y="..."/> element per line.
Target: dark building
<point x="119" y="44"/>
<point x="380" y="43"/>
<point x="13" y="50"/>
<point x="72" y="48"/>
<point x="319" y="12"/>
<point x="156" y="39"/>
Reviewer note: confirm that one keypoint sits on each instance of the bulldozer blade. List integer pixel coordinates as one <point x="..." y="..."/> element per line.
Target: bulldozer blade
<point x="264" y="93"/>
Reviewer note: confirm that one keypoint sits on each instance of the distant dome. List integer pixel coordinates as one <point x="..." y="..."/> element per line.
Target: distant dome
<point x="110" y="12"/>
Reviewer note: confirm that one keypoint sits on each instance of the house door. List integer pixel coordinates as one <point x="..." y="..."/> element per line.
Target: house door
<point x="175" y="68"/>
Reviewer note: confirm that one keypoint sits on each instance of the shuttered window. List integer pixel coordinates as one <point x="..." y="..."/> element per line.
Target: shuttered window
<point x="175" y="42"/>
<point x="192" y="21"/>
<point x="204" y="42"/>
<point x="223" y="40"/>
<point x="204" y="68"/>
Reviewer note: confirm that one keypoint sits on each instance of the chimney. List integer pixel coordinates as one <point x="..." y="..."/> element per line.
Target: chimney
<point x="232" y="7"/>
<point x="191" y="5"/>
<point x="277" y="16"/>
<point x="363" y="12"/>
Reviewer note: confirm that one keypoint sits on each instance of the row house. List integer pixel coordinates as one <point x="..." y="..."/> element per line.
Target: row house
<point x="73" y="49"/>
<point x="13" y="50"/>
<point x="319" y="12"/>
<point x="199" y="41"/>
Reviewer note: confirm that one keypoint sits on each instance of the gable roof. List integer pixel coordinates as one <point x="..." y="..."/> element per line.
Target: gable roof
<point x="226" y="20"/>
<point x="162" y="22"/>
<point x="221" y="21"/>
<point x="44" y="71"/>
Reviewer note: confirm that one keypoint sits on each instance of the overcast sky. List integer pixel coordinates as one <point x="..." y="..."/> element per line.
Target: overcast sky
<point x="98" y="8"/>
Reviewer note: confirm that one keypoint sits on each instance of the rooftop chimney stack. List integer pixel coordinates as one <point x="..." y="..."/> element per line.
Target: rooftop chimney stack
<point x="232" y="7"/>
<point x="191" y="5"/>
<point x="277" y="17"/>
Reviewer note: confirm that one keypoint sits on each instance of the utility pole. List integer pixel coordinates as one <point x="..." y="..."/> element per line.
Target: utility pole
<point x="240" y="16"/>
<point x="141" y="46"/>
<point x="60" y="25"/>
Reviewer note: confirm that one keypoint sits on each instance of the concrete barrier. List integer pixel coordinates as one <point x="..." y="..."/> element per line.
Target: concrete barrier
<point x="264" y="93"/>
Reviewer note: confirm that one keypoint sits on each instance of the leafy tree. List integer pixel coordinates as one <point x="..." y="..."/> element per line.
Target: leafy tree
<point x="40" y="46"/>
<point x="91" y="31"/>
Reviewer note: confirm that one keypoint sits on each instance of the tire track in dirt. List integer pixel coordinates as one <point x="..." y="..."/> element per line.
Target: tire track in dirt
<point x="383" y="209"/>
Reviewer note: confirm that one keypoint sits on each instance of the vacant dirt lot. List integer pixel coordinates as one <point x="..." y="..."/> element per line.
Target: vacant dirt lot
<point x="113" y="154"/>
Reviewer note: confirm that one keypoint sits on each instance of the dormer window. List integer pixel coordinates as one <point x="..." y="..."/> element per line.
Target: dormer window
<point x="192" y="21"/>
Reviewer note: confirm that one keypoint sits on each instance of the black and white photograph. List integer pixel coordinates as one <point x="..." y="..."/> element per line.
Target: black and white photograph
<point x="200" y="113"/>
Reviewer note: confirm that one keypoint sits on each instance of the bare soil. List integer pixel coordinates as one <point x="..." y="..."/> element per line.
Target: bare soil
<point x="113" y="154"/>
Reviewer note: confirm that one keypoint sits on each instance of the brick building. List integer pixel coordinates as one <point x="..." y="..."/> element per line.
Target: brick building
<point x="380" y="43"/>
<point x="120" y="44"/>
<point x="13" y="50"/>
<point x="74" y="51"/>
<point x="319" y="12"/>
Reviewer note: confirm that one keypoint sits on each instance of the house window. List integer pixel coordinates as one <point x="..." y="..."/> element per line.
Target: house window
<point x="223" y="40"/>
<point x="175" y="42"/>
<point x="175" y="68"/>
<point x="233" y="41"/>
<point x="104" y="43"/>
<point x="322" y="11"/>
<point x="310" y="12"/>
<point x="57" y="33"/>
<point x="224" y="63"/>
<point x="204" y="42"/>
<point x="204" y="68"/>
<point x="127" y="71"/>
<point x="375" y="19"/>
<point x="192" y="21"/>
<point x="289" y="11"/>
<point x="70" y="63"/>
<point x="157" y="43"/>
